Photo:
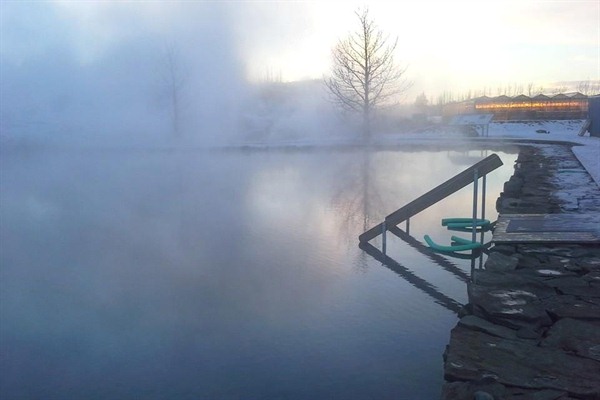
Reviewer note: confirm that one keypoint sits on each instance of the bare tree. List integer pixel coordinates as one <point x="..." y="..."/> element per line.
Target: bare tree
<point x="445" y="98"/>
<point x="588" y="87"/>
<point x="559" y="89"/>
<point x="530" y="87"/>
<point x="541" y="89"/>
<point x="421" y="103"/>
<point x="364" y="75"/>
<point x="519" y="89"/>
<point x="583" y="87"/>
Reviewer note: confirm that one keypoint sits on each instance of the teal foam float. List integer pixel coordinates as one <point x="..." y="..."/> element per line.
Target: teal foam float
<point x="465" y="246"/>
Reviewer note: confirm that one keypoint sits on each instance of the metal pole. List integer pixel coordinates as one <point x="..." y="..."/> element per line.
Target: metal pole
<point x="483" y="188"/>
<point x="408" y="226"/>
<point x="383" y="240"/>
<point x="474" y="228"/>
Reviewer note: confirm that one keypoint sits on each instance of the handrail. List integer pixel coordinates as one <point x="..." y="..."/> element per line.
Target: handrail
<point x="438" y="193"/>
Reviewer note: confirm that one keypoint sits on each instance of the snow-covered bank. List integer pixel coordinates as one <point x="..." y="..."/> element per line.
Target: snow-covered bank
<point x="589" y="156"/>
<point x="586" y="148"/>
<point x="588" y="151"/>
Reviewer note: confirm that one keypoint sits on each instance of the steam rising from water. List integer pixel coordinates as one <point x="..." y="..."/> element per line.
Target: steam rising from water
<point x="105" y="73"/>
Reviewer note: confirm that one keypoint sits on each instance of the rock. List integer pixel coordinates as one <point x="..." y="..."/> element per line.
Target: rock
<point x="570" y="206"/>
<point x="530" y="261"/>
<point x="498" y="262"/>
<point x="574" y="336"/>
<point x="528" y="333"/>
<point x="546" y="249"/>
<point x="570" y="307"/>
<point x="574" y="267"/>
<point x="513" y="308"/>
<point x="581" y="291"/>
<point x="511" y="299"/>
<point x="466" y="309"/>
<point x="513" y="279"/>
<point x="474" y="355"/>
<point x="552" y="272"/>
<point x="513" y="186"/>
<point x="503" y="248"/>
<point x="576" y="286"/>
<point x="590" y="264"/>
<point x="546" y="394"/>
<point x="593" y="276"/>
<point x="589" y="204"/>
<point x="467" y="390"/>
<point x="533" y="205"/>
<point x="537" y="192"/>
<point x="582" y="252"/>
<point x="566" y="281"/>
<point x="479" y="324"/>
<point x="509" y="203"/>
<point x="481" y="395"/>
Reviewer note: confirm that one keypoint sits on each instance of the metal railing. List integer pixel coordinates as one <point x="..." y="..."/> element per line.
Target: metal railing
<point x="452" y="185"/>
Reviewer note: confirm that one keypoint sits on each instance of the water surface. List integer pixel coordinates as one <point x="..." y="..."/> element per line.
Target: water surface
<point x="223" y="275"/>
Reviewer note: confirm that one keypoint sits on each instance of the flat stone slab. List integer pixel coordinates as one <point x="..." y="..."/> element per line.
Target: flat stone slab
<point x="515" y="308"/>
<point x="581" y="338"/>
<point x="500" y="262"/>
<point x="479" y="324"/>
<point x="520" y="279"/>
<point x="511" y="299"/>
<point x="576" y="286"/>
<point x="477" y="356"/>
<point x="547" y="228"/>
<point x="572" y="307"/>
<point x="592" y="277"/>
<point x="496" y="391"/>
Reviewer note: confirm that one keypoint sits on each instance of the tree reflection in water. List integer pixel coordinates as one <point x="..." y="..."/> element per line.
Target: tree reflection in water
<point x="358" y="197"/>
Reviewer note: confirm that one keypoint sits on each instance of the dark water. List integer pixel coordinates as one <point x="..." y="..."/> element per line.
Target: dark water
<point x="222" y="275"/>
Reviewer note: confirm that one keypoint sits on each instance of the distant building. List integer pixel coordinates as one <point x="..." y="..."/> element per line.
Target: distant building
<point x="594" y="115"/>
<point x="561" y="106"/>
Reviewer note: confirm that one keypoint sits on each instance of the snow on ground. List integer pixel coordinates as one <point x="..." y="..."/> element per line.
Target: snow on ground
<point x="588" y="151"/>
<point x="589" y="157"/>
<point x="586" y="148"/>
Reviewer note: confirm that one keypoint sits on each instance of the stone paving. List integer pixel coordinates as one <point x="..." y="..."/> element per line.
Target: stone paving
<point x="531" y="329"/>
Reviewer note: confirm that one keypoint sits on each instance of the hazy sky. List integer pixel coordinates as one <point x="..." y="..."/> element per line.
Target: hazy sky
<point x="448" y="45"/>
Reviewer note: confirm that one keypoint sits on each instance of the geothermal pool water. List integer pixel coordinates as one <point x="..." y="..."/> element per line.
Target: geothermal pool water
<point x="224" y="274"/>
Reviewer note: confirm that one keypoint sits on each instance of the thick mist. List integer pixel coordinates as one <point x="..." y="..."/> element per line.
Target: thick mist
<point x="144" y="74"/>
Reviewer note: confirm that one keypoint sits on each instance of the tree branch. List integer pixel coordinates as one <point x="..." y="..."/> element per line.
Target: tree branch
<point x="364" y="75"/>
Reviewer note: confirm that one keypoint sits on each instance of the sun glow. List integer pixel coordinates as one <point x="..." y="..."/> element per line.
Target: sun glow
<point x="447" y="46"/>
<point x="457" y="45"/>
